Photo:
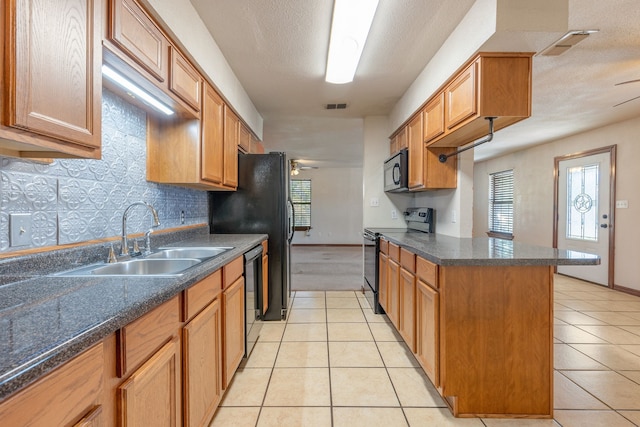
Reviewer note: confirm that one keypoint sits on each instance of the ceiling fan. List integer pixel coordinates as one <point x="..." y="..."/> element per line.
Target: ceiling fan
<point x="624" y="83"/>
<point x="296" y="167"/>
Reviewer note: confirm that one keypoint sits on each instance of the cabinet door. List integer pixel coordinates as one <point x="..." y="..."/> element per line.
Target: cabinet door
<point x="212" y="136"/>
<point x="461" y="101"/>
<point x="393" y="280"/>
<point x="231" y="135"/>
<point x="416" y="153"/>
<point x="427" y="326"/>
<point x="151" y="395"/>
<point x="92" y="419"/>
<point x="383" y="284"/>
<point x="55" y="82"/>
<point x="245" y="139"/>
<point x="184" y="80"/>
<point x="133" y="32"/>
<point x="407" y="308"/>
<point x="433" y="118"/>
<point x="233" y="329"/>
<point x="265" y="283"/>
<point x="393" y="145"/>
<point x="202" y="352"/>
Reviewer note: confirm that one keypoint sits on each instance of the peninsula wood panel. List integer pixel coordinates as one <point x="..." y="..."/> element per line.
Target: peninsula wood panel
<point x="496" y="340"/>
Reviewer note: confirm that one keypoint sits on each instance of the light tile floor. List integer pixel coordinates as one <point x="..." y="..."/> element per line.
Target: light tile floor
<point x="335" y="363"/>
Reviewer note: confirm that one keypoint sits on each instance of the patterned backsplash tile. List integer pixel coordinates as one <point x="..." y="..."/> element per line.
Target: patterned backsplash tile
<point x="78" y="200"/>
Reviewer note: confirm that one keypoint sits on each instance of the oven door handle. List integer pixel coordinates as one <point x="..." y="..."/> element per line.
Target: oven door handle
<point x="368" y="237"/>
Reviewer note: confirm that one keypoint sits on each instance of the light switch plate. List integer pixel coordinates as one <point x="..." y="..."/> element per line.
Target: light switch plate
<point x="20" y="229"/>
<point x="622" y="204"/>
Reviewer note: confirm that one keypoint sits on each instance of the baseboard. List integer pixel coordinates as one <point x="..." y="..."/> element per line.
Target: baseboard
<point x="626" y="290"/>
<point x="355" y="245"/>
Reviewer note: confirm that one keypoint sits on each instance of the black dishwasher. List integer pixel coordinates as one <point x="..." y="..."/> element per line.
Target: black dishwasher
<point x="252" y="297"/>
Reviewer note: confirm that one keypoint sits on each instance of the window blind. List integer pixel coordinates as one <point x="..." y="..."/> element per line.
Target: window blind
<point x="501" y="202"/>
<point x="301" y="199"/>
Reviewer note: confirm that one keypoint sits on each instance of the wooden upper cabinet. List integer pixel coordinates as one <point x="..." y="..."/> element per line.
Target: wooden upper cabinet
<point x="416" y="152"/>
<point x="231" y="140"/>
<point x="52" y="79"/>
<point x="491" y="85"/>
<point x="137" y="35"/>
<point x="184" y="79"/>
<point x="212" y="136"/>
<point x="460" y="97"/>
<point x="433" y="118"/>
<point x="244" y="142"/>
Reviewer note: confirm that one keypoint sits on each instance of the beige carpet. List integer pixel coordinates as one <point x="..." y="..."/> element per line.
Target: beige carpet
<point x="326" y="268"/>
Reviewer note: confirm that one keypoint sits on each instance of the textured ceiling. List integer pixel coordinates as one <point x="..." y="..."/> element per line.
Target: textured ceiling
<point x="278" y="48"/>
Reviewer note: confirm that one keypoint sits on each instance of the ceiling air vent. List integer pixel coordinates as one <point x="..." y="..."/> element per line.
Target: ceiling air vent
<point x="335" y="106"/>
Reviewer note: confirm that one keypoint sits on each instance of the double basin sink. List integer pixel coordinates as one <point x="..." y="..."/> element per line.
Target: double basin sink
<point x="165" y="262"/>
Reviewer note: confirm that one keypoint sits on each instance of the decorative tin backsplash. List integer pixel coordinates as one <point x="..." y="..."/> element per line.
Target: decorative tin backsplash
<point x="77" y="200"/>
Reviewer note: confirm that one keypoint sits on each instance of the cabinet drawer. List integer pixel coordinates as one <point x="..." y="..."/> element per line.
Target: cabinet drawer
<point x="427" y="272"/>
<point x="394" y="252"/>
<point x="61" y="397"/>
<point x="232" y="271"/>
<point x="201" y="294"/>
<point x="184" y="81"/>
<point x="384" y="246"/>
<point x="141" y="338"/>
<point x="408" y="260"/>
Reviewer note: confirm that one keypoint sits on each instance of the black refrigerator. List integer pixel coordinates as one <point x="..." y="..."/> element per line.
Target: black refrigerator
<point x="261" y="205"/>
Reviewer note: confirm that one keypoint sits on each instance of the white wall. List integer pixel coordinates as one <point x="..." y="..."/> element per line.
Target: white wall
<point x="376" y="151"/>
<point x="533" y="192"/>
<point x="336" y="207"/>
<point x="186" y="26"/>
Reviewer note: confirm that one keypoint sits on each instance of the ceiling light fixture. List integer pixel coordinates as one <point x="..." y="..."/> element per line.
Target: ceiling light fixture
<point x="135" y="90"/>
<point x="566" y="42"/>
<point x="349" y="30"/>
<point x="294" y="168"/>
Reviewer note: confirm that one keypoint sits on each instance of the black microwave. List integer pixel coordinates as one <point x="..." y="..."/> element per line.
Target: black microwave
<point x="396" y="172"/>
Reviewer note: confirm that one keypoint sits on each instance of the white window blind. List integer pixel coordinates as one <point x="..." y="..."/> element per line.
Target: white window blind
<point x="501" y="202"/>
<point x="301" y="199"/>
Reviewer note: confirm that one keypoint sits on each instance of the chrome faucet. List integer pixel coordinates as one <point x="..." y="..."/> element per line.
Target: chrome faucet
<point x="124" y="250"/>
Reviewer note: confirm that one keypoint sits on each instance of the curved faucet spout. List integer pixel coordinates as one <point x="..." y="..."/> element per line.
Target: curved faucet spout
<point x="124" y="250"/>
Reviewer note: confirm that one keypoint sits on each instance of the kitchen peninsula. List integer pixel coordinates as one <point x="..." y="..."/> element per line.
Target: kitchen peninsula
<point x="478" y="315"/>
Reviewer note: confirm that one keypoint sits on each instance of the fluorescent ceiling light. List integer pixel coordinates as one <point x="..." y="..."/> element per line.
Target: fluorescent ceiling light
<point x="349" y="29"/>
<point x="135" y="90"/>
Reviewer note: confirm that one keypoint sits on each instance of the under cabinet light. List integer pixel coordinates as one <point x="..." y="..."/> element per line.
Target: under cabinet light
<point x="349" y="30"/>
<point x="131" y="87"/>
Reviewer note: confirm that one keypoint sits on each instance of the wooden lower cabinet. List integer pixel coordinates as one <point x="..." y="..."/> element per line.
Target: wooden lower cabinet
<point x="427" y="328"/>
<point x="393" y="282"/>
<point x="151" y="396"/>
<point x="70" y="395"/>
<point x="202" y="363"/>
<point x="407" y="310"/>
<point x="233" y="329"/>
<point x="383" y="284"/>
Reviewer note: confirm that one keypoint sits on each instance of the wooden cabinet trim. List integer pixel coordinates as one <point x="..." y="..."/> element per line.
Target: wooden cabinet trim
<point x="142" y="337"/>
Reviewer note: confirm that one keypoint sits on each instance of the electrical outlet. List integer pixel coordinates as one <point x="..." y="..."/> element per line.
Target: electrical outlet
<point x="394" y="214"/>
<point x="20" y="229"/>
<point x="374" y="202"/>
<point x="182" y="217"/>
<point x="622" y="204"/>
<point x="454" y="216"/>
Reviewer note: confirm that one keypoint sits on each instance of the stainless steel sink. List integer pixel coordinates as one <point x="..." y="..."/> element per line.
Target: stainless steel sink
<point x="146" y="267"/>
<point x="189" y="252"/>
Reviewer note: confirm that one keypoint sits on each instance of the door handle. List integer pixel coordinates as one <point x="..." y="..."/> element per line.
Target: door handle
<point x="604" y="226"/>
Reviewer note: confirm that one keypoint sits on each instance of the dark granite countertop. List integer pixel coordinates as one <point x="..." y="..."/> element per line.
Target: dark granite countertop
<point x="479" y="251"/>
<point x="47" y="320"/>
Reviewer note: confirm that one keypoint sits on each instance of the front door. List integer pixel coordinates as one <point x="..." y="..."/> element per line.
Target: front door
<point x="584" y="217"/>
